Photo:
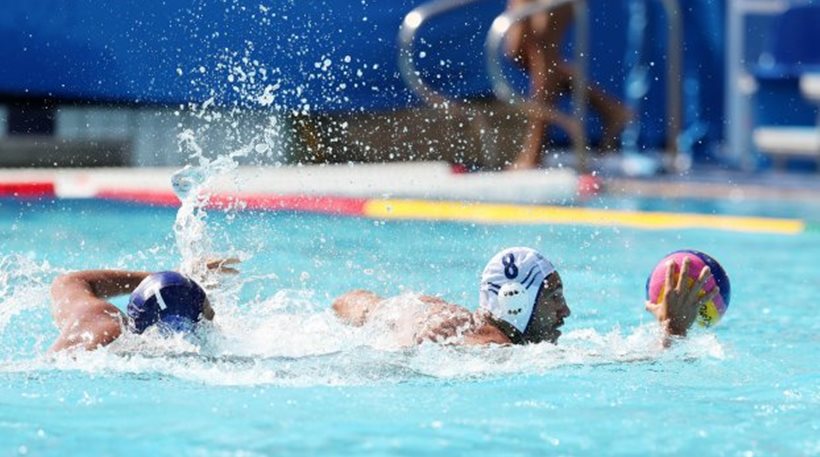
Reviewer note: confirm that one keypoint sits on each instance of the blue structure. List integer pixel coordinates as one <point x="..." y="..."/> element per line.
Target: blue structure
<point x="320" y="56"/>
<point x="792" y="51"/>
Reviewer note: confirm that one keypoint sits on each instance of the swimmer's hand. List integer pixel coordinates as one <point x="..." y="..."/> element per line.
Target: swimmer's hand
<point x="678" y="306"/>
<point x="215" y="268"/>
<point x="223" y="265"/>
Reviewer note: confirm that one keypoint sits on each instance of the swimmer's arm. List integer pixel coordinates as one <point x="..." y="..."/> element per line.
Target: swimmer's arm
<point x="101" y="325"/>
<point x="216" y="271"/>
<point x="486" y="334"/>
<point x="447" y="322"/>
<point x="100" y="283"/>
<point x="355" y="307"/>
<point x="82" y="314"/>
<point x="678" y="307"/>
<point x="472" y="329"/>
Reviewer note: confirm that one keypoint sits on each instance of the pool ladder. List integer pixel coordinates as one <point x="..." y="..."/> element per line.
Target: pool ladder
<point x="573" y="124"/>
<point x="412" y="23"/>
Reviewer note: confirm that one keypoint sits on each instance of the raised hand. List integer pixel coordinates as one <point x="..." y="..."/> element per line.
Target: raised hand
<point x="223" y="265"/>
<point x="678" y="305"/>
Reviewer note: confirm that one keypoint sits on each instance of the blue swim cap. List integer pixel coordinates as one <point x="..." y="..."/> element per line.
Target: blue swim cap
<point x="167" y="298"/>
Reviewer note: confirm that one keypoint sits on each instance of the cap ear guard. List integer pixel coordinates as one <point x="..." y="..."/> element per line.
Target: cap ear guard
<point x="514" y="305"/>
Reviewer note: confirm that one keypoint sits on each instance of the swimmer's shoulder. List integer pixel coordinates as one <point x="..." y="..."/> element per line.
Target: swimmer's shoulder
<point x="437" y="306"/>
<point x="481" y="332"/>
<point x="486" y="333"/>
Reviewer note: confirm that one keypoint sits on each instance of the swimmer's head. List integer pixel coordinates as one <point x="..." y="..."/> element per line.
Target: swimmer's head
<point x="524" y="294"/>
<point x="170" y="300"/>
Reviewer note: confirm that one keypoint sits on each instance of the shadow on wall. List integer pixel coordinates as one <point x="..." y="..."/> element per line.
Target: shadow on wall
<point x="99" y="136"/>
<point x="412" y="134"/>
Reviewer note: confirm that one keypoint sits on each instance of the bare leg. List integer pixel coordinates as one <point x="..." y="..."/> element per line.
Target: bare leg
<point x="535" y="44"/>
<point x="614" y="115"/>
<point x="540" y="54"/>
<point x="530" y="156"/>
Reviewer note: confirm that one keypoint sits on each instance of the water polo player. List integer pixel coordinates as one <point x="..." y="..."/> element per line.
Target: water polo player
<point x="521" y="301"/>
<point x="168" y="300"/>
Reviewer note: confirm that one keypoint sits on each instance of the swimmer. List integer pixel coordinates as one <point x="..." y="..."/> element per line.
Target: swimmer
<point x="167" y="299"/>
<point x="521" y="301"/>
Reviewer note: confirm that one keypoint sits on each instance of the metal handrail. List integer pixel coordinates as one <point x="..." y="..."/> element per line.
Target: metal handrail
<point x="674" y="76"/>
<point x="674" y="66"/>
<point x="573" y="125"/>
<point x="413" y="21"/>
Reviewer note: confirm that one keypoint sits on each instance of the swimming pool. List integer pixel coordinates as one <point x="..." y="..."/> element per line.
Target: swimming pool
<point x="280" y="376"/>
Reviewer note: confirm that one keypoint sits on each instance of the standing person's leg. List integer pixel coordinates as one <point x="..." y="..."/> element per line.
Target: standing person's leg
<point x="519" y="44"/>
<point x="614" y="115"/>
<point x="538" y="46"/>
<point x="530" y="155"/>
<point x="550" y="31"/>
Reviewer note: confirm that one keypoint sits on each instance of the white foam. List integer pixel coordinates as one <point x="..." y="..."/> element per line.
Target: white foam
<point x="293" y="339"/>
<point x="23" y="286"/>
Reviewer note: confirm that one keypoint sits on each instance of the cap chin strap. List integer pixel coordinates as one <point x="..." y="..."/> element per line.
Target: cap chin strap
<point x="515" y="336"/>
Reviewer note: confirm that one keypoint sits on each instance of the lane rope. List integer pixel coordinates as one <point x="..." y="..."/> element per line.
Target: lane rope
<point x="484" y="213"/>
<point x="522" y="214"/>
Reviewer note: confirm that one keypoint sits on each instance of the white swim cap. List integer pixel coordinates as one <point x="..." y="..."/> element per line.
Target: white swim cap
<point x="510" y="284"/>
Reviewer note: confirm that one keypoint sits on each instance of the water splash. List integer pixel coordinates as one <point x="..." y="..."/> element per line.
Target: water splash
<point x="293" y="339"/>
<point x="191" y="185"/>
<point x="24" y="316"/>
<point x="217" y="146"/>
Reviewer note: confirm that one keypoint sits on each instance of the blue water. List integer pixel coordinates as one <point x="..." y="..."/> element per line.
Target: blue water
<point x="278" y="375"/>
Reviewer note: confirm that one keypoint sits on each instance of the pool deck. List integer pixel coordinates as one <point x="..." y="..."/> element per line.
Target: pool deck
<point x="415" y="180"/>
<point x="712" y="184"/>
<point x="431" y="191"/>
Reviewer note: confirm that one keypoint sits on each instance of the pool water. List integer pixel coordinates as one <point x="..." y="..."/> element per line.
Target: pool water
<point x="277" y="374"/>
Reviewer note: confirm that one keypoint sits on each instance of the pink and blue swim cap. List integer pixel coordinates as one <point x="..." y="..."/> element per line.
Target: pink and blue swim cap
<point x="169" y="299"/>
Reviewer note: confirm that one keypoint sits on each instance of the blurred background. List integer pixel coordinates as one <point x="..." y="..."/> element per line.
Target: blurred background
<point x="720" y="84"/>
<point x="651" y="125"/>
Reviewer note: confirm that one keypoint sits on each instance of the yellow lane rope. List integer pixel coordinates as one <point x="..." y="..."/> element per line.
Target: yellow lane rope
<point x="523" y="214"/>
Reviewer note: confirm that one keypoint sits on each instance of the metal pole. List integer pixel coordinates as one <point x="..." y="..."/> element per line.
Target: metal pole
<point x="413" y="21"/>
<point x="674" y="76"/>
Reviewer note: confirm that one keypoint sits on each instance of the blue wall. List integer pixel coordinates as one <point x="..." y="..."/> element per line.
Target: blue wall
<point x="130" y="52"/>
